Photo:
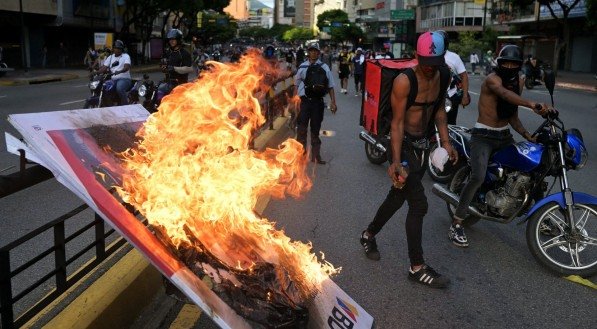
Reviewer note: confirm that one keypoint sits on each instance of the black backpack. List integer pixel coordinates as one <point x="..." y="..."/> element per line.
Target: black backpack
<point x="316" y="81"/>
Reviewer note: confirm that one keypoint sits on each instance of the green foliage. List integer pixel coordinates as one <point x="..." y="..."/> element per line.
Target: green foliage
<point x="467" y="43"/>
<point x="347" y="32"/>
<point x="298" y="34"/>
<point x="212" y="32"/>
<point x="277" y="31"/>
<point x="329" y="16"/>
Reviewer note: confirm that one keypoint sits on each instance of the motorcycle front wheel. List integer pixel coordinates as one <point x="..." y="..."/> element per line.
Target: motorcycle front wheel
<point x="374" y="155"/>
<point x="529" y="83"/>
<point x="554" y="246"/>
<point x="455" y="186"/>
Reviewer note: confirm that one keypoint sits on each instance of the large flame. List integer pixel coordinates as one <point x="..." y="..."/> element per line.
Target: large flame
<point x="193" y="169"/>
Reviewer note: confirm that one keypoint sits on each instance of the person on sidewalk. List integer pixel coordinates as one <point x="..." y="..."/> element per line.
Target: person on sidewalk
<point x="62" y="55"/>
<point x="312" y="81"/>
<point x="358" y="67"/>
<point x="417" y="99"/>
<point x="176" y="63"/>
<point x="458" y="90"/>
<point x="498" y="107"/>
<point x="119" y="64"/>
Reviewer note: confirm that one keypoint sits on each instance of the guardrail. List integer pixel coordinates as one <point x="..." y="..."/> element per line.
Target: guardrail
<point x="273" y="104"/>
<point x="62" y="279"/>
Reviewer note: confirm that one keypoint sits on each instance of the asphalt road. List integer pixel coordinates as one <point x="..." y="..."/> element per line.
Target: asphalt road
<point x="495" y="282"/>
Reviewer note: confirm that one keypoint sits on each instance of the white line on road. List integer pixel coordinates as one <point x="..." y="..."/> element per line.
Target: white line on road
<point x="72" y="102"/>
<point x="79" y="86"/>
<point x="2" y="96"/>
<point x="472" y="92"/>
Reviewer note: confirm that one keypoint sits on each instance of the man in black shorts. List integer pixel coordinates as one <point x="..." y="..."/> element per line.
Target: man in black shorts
<point x="344" y="70"/>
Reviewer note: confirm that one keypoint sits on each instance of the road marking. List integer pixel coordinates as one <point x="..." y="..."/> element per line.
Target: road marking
<point x="472" y="92"/>
<point x="2" y="96"/>
<point x="80" y="86"/>
<point x="72" y="102"/>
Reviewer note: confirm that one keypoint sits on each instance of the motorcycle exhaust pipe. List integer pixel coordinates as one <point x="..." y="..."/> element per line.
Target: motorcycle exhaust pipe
<point x="367" y="138"/>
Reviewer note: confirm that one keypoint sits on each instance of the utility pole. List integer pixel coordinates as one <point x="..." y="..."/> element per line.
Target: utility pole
<point x="23" y="45"/>
<point x="484" y="15"/>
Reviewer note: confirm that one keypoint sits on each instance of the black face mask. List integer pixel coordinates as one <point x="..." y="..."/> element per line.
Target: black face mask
<point x="507" y="74"/>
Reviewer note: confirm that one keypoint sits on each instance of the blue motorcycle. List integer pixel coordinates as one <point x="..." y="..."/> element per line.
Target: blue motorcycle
<point x="561" y="227"/>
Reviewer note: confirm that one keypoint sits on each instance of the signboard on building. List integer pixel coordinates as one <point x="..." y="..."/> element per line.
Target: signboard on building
<point x="402" y="14"/>
<point x="103" y="40"/>
<point x="289" y="8"/>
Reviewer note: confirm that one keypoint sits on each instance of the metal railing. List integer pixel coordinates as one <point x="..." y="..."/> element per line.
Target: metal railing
<point x="62" y="279"/>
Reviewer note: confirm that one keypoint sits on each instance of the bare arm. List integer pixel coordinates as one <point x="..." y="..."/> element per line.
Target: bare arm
<point x="516" y="124"/>
<point x="400" y="89"/>
<point x="494" y="83"/>
<point x="465" y="97"/>
<point x="441" y="122"/>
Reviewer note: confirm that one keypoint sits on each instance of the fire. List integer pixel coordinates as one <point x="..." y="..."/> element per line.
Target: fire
<point x="193" y="173"/>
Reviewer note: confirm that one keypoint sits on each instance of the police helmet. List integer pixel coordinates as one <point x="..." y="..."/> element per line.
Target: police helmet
<point x="510" y="53"/>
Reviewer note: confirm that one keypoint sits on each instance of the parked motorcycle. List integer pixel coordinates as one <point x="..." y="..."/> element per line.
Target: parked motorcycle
<point x="561" y="228"/>
<point x="103" y="92"/>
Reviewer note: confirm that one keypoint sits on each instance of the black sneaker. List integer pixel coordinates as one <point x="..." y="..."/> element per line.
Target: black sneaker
<point x="457" y="236"/>
<point x="429" y="277"/>
<point x="370" y="246"/>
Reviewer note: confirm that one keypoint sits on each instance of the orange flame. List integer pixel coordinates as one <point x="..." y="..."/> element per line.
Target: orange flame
<point x="193" y="168"/>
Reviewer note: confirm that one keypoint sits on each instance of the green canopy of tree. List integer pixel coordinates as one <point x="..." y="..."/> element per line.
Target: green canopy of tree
<point x="347" y="33"/>
<point x="591" y="6"/>
<point x="327" y="17"/>
<point x="298" y="34"/>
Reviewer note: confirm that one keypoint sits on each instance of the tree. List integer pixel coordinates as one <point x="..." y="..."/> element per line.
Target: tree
<point x="298" y="34"/>
<point x="277" y="31"/>
<point x="591" y="6"/>
<point x="331" y="16"/>
<point x="348" y="32"/>
<point x="466" y="44"/>
<point x="563" y="40"/>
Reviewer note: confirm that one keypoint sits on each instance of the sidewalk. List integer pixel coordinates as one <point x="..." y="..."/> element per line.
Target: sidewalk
<point x="565" y="79"/>
<point x="37" y="75"/>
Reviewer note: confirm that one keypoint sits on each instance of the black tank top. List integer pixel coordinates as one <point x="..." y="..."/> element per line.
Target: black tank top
<point x="504" y="109"/>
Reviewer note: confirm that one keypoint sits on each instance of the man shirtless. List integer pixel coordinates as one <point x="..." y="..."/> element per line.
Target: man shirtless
<point x="410" y="127"/>
<point x="498" y="108"/>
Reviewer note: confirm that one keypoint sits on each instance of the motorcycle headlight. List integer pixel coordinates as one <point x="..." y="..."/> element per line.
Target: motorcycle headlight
<point x="93" y="85"/>
<point x="142" y="90"/>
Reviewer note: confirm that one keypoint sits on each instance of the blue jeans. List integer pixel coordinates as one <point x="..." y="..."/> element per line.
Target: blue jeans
<point x="122" y="88"/>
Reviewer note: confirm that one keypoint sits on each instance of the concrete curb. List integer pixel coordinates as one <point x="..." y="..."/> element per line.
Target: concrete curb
<point x="62" y="77"/>
<point x="120" y="295"/>
<point x="577" y="86"/>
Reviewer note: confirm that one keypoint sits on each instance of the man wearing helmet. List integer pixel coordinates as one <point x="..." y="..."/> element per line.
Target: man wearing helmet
<point x="417" y="99"/>
<point x="177" y="62"/>
<point x="498" y="107"/>
<point x="119" y="64"/>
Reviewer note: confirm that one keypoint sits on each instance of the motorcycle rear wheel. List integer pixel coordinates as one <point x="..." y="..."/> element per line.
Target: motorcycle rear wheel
<point x="552" y="245"/>
<point x="374" y="155"/>
<point x="529" y="83"/>
<point x="459" y="180"/>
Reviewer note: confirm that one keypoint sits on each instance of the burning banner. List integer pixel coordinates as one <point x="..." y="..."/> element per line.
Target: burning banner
<point x="190" y="171"/>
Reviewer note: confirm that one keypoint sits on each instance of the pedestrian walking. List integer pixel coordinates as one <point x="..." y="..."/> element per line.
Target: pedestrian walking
<point x="344" y="70"/>
<point x="62" y="55"/>
<point x="313" y="80"/>
<point x="474" y="59"/>
<point x="411" y="125"/>
<point x="358" y="67"/>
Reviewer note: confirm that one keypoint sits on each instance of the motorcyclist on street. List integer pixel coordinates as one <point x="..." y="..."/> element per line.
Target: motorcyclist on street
<point x="119" y="65"/>
<point x="531" y="69"/>
<point x="458" y="90"/>
<point x="498" y="107"/>
<point x="176" y="63"/>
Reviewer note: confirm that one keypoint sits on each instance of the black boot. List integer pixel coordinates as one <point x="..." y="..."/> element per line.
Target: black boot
<point x="315" y="155"/>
